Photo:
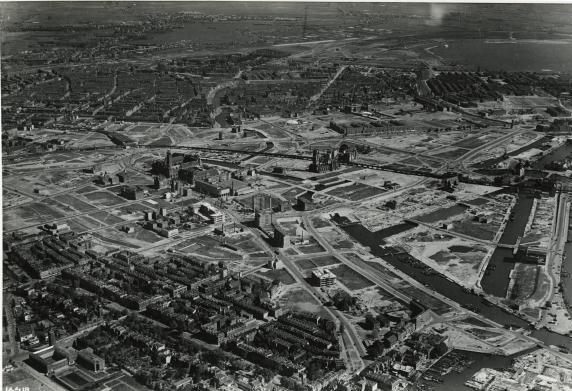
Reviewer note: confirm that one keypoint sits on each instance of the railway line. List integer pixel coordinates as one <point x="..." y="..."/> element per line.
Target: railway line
<point x="264" y="152"/>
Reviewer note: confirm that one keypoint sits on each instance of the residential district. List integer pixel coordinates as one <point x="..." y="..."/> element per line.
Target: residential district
<point x="215" y="196"/>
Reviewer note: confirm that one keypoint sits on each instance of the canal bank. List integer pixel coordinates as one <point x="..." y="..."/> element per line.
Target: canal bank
<point x="455" y="380"/>
<point x="448" y="288"/>
<point x="496" y="282"/>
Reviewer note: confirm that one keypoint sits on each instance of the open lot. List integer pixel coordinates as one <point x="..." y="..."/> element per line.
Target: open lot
<point x="525" y="277"/>
<point x="297" y="299"/>
<point x="355" y="191"/>
<point x="75" y="203"/>
<point x="312" y="263"/>
<point x="207" y="246"/>
<point x="104" y="198"/>
<point x="281" y="275"/>
<point x="350" y="278"/>
<point x="442" y="214"/>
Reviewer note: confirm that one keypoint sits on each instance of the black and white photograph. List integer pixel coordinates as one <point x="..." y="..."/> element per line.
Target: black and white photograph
<point x="286" y="195"/>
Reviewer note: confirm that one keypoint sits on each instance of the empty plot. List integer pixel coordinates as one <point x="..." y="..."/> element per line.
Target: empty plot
<point x="281" y="275"/>
<point x="442" y="214"/>
<point x="350" y="278"/>
<point x="74" y="203"/>
<point x="104" y="198"/>
<point x="312" y="263"/>
<point x="106" y="218"/>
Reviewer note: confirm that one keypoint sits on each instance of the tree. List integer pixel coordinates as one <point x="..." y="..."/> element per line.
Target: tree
<point x="266" y="373"/>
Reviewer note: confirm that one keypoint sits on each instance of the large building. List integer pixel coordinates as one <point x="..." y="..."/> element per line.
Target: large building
<point x="90" y="360"/>
<point x="323" y="278"/>
<point x="208" y="212"/>
<point x="51" y="359"/>
<point x="324" y="162"/>
<point x="172" y="165"/>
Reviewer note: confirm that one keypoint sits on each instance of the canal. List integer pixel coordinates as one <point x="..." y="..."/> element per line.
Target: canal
<point x="447" y="288"/>
<point x="455" y="381"/>
<point x="496" y="282"/>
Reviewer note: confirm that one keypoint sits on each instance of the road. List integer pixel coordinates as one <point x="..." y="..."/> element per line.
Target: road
<point x="377" y="277"/>
<point x="350" y="353"/>
<point x="554" y="258"/>
<point x="314" y="98"/>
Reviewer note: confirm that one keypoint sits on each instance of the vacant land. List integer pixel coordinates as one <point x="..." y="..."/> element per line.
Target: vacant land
<point x="350" y="278"/>
<point x="476" y="230"/>
<point x="281" y="275"/>
<point x="442" y="214"/>
<point x="312" y="263"/>
<point x="104" y="198"/>
<point x="525" y="277"/>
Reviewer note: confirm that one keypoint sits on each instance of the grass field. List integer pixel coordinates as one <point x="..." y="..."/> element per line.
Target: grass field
<point x="476" y="230"/>
<point x="312" y="248"/>
<point x="442" y="214"/>
<point x="311" y="263"/>
<point x="300" y="300"/>
<point x="208" y="247"/>
<point x="356" y="192"/>
<point x="245" y="243"/>
<point x="104" y="198"/>
<point x="350" y="278"/>
<point x="74" y="203"/>
<point x="33" y="213"/>
<point x="281" y="275"/>
<point x="87" y="189"/>
<point x="542" y="284"/>
<point x="451" y="154"/>
<point x="318" y="222"/>
<point x="525" y="284"/>
<point x="105" y="218"/>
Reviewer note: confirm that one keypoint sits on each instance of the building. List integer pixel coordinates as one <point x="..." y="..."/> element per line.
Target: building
<point x="281" y="238"/>
<point x="168" y="232"/>
<point x="323" y="278"/>
<point x="263" y="219"/>
<point x="327" y="161"/>
<point x="49" y="360"/>
<point x="209" y="212"/>
<point x="90" y="360"/>
<point x="57" y="228"/>
<point x="450" y="181"/>
<point x="213" y="189"/>
<point x="132" y="192"/>
<point x="305" y="202"/>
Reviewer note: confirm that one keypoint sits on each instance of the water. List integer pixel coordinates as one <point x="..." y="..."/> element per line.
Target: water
<point x="456" y="381"/>
<point x="496" y="282"/>
<point x="524" y="55"/>
<point x="436" y="282"/>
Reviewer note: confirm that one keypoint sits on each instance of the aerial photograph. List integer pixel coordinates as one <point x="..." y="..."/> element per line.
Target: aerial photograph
<point x="305" y="196"/>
